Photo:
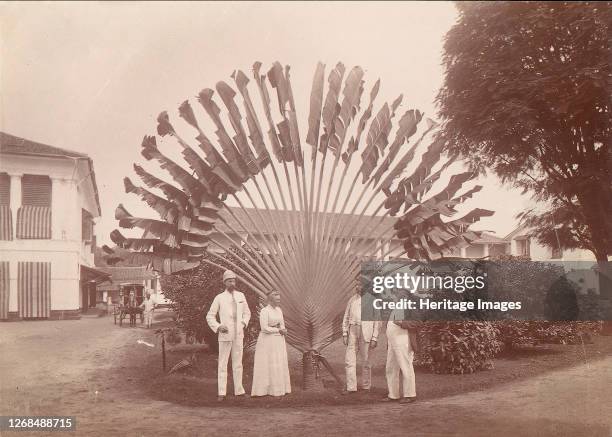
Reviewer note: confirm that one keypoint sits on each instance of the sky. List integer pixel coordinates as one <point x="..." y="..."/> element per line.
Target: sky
<point x="92" y="77"/>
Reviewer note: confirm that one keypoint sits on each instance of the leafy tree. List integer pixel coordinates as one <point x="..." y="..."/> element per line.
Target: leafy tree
<point x="527" y="95"/>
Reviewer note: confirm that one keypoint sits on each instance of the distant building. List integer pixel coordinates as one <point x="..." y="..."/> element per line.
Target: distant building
<point x="580" y="264"/>
<point x="48" y="203"/>
<point x="263" y="227"/>
<point x="138" y="279"/>
<point x="365" y="234"/>
<point x="523" y="243"/>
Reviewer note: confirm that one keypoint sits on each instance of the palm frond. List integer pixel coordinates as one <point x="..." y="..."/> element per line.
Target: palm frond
<point x="298" y="227"/>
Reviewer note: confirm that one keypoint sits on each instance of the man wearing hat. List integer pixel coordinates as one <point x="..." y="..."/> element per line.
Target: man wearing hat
<point x="234" y="314"/>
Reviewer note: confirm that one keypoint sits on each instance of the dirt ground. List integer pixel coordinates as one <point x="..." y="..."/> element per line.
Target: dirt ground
<point x="97" y="372"/>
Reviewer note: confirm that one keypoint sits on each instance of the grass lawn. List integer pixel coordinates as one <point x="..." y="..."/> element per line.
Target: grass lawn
<point x="198" y="386"/>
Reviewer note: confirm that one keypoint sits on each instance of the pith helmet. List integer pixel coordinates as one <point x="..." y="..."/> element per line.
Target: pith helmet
<point x="228" y="274"/>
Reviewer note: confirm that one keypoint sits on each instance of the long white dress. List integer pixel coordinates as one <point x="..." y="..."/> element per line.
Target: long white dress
<point x="271" y="372"/>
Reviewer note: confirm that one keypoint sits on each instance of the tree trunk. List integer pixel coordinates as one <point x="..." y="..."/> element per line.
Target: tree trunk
<point x="597" y="222"/>
<point x="308" y="371"/>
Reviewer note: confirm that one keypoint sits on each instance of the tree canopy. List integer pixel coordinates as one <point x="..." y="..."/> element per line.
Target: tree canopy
<point x="527" y="95"/>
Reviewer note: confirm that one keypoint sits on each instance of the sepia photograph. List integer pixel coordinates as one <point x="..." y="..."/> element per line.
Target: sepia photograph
<point x="360" y="218"/>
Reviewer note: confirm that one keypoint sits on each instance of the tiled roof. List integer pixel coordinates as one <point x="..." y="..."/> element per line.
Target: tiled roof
<point x="127" y="274"/>
<point x="12" y="145"/>
<point x="16" y="145"/>
<point x="121" y="275"/>
<point x="521" y="232"/>
<point x="279" y="221"/>
<point x="490" y="239"/>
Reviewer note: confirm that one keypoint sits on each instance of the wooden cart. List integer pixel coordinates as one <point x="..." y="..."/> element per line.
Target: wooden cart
<point x="127" y="306"/>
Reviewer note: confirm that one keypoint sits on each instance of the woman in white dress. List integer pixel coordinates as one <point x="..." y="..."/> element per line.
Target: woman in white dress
<point x="271" y="372"/>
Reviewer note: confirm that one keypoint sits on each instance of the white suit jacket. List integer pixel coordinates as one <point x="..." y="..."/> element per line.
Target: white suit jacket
<point x="223" y="306"/>
<point x="352" y="315"/>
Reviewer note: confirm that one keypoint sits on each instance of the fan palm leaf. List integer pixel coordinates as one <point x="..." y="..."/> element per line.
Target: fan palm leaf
<point x="297" y="227"/>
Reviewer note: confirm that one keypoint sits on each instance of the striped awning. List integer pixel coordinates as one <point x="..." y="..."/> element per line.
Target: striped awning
<point x="34" y="222"/>
<point x="6" y="223"/>
<point x="4" y="289"/>
<point x="34" y="289"/>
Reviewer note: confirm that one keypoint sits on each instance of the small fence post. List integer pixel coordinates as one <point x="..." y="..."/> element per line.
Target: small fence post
<point x="163" y="344"/>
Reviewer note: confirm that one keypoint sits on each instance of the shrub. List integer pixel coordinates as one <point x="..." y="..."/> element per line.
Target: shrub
<point x="566" y="332"/>
<point x="457" y="347"/>
<point x="512" y="333"/>
<point x="544" y="288"/>
<point x="173" y="336"/>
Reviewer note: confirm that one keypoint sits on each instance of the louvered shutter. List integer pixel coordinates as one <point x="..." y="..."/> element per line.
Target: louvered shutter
<point x="35" y="190"/>
<point x="5" y="189"/>
<point x="86" y="225"/>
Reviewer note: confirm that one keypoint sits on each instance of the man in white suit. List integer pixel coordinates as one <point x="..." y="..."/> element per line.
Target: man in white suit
<point x="234" y="315"/>
<point x="401" y="347"/>
<point x="358" y="335"/>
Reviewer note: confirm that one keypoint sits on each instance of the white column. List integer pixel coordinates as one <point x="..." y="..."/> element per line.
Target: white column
<point x="464" y="252"/>
<point x="58" y="203"/>
<point x="486" y="250"/>
<point x="15" y="202"/>
<point x="65" y="214"/>
<point x="13" y="284"/>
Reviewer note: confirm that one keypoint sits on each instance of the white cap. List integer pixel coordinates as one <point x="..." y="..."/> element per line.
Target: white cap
<point x="228" y="274"/>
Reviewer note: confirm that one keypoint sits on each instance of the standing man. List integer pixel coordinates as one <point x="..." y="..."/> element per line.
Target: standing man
<point x="148" y="306"/>
<point x="401" y="347"/>
<point x="358" y="335"/>
<point x="132" y="305"/>
<point x="234" y="316"/>
<point x="109" y="303"/>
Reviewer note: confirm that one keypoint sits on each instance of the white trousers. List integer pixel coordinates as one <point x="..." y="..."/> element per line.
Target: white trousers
<point x="399" y="360"/>
<point x="233" y="348"/>
<point x="356" y="343"/>
<point x="148" y="316"/>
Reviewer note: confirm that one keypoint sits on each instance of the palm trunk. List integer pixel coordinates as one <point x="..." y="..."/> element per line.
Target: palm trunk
<point x="308" y="371"/>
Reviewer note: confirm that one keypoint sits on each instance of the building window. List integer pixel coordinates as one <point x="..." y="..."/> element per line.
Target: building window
<point x="557" y="253"/>
<point x="87" y="226"/>
<point x="5" y="189"/>
<point x="6" y="215"/>
<point x="36" y="190"/>
<point x="523" y="247"/>
<point x="34" y="216"/>
<point x="498" y="249"/>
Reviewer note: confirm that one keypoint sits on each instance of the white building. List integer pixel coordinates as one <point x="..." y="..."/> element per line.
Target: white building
<point x="580" y="264"/>
<point x="48" y="203"/>
<point x="522" y="243"/>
